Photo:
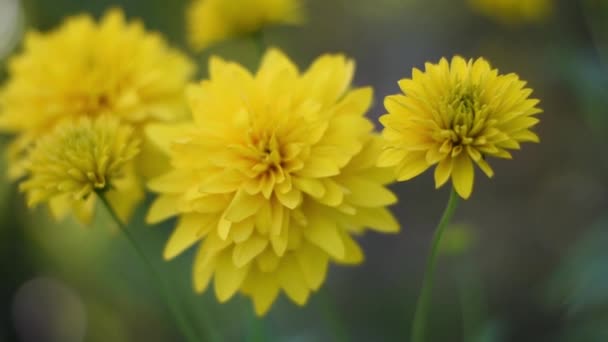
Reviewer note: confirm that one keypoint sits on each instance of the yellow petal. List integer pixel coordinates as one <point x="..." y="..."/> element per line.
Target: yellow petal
<point x="291" y="280"/>
<point x="485" y="167"/>
<point x="83" y="210"/>
<point x="263" y="219"/>
<point x="378" y="219"/>
<point x="334" y="194"/>
<point x="268" y="261"/>
<point x="162" y="208"/>
<point x="203" y="271"/>
<point x="443" y="172"/>
<point x="279" y="242"/>
<point x="413" y="165"/>
<point x="291" y="199"/>
<point x="265" y="290"/>
<point x="327" y="78"/>
<point x="125" y="195"/>
<point x="310" y="186"/>
<point x="162" y="135"/>
<point x="59" y="206"/>
<point x="241" y="231"/>
<point x="277" y="218"/>
<point x="175" y="181"/>
<point x="324" y="234"/>
<point x="519" y="124"/>
<point x="186" y="233"/>
<point x="365" y="193"/>
<point x="276" y="64"/>
<point x="462" y="175"/>
<point x="353" y="255"/>
<point x="525" y="136"/>
<point x="223" y="228"/>
<point x="242" y="206"/>
<point x="244" y="252"/>
<point x="434" y="155"/>
<point x="318" y="167"/>
<point x="473" y="153"/>
<point x="228" y="277"/>
<point x="313" y="263"/>
<point x="391" y="157"/>
<point x="356" y="102"/>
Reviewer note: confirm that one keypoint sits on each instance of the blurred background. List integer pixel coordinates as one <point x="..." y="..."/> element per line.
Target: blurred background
<point x="525" y="260"/>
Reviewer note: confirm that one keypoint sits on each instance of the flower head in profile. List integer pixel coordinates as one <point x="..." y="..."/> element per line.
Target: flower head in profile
<point x="78" y="158"/>
<point x="454" y="115"/>
<point x="212" y="21"/>
<point x="273" y="177"/>
<point x="513" y="11"/>
<point x="87" y="68"/>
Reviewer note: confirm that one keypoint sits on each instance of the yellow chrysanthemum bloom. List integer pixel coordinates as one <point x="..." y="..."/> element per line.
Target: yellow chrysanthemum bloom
<point x="273" y="177"/>
<point x="78" y="158"/>
<point x="510" y="11"/>
<point x="212" y="21"/>
<point x="84" y="68"/>
<point x="452" y="115"/>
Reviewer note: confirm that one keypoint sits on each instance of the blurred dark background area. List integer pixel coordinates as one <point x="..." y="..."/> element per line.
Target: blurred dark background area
<point x="527" y="256"/>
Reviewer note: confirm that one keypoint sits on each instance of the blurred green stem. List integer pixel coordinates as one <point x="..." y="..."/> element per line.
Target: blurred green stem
<point x="171" y="301"/>
<point x="424" y="299"/>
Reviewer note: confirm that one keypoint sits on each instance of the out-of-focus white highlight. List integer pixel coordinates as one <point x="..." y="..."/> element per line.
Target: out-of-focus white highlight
<point x="11" y="25"/>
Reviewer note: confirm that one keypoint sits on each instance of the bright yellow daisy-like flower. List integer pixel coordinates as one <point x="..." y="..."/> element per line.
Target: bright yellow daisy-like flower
<point x="453" y="115"/>
<point x="273" y="177"/>
<point x="78" y="158"/>
<point x="212" y="21"/>
<point x="510" y="11"/>
<point x="84" y="68"/>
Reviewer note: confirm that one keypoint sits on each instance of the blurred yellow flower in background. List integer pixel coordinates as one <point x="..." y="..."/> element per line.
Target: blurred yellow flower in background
<point x="510" y="11"/>
<point x="212" y="21"/>
<point x="81" y="157"/>
<point x="84" y="68"/>
<point x="273" y="177"/>
<point x="454" y="114"/>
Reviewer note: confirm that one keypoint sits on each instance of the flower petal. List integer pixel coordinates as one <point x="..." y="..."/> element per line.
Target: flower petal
<point x="462" y="175"/>
<point x="228" y="277"/>
<point x="244" y="252"/>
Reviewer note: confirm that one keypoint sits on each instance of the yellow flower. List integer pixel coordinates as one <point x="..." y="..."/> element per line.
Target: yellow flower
<point x="212" y="21"/>
<point x="81" y="157"/>
<point x="452" y="115"/>
<point x="510" y="11"/>
<point x="273" y="177"/>
<point x="87" y="68"/>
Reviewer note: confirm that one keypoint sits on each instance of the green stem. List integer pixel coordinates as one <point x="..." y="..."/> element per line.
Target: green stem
<point x="424" y="300"/>
<point x="170" y="299"/>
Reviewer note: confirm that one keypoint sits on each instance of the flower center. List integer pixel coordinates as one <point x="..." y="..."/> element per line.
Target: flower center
<point x="463" y="110"/>
<point x="268" y="157"/>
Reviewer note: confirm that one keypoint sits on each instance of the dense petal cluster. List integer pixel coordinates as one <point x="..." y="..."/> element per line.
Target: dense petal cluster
<point x="84" y="68"/>
<point x="454" y="114"/>
<point x="511" y="11"/>
<point x="273" y="177"/>
<point x="81" y="157"/>
<point x="211" y="21"/>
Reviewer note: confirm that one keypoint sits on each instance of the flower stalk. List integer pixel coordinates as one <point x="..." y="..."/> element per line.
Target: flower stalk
<point x="185" y="328"/>
<point x="424" y="299"/>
